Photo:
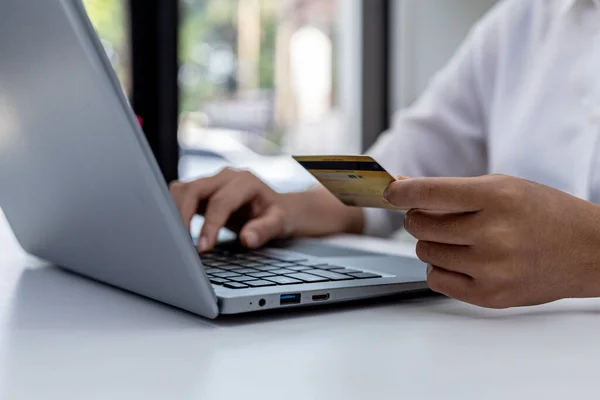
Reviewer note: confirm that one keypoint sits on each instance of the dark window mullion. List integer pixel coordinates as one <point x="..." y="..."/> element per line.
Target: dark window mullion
<point x="155" y="97"/>
<point x="376" y="17"/>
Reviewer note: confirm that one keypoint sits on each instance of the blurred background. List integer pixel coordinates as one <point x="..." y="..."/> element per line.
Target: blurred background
<point x="249" y="82"/>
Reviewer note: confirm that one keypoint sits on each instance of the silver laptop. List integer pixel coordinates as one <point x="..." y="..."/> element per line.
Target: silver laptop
<point x="81" y="189"/>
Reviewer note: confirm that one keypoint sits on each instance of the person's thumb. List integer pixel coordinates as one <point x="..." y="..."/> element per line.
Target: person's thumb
<point x="398" y="178"/>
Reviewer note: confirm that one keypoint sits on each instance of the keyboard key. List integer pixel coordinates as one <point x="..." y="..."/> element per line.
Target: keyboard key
<point x="334" y="276"/>
<point x="291" y="257"/>
<point x="249" y="263"/>
<point x="283" y="280"/>
<point x="256" y="254"/>
<point x="213" y="270"/>
<point x="341" y="270"/>
<point x="242" y="278"/>
<point x="260" y="283"/>
<point x="231" y="267"/>
<point x="314" y="263"/>
<point x="261" y="274"/>
<point x="282" y="271"/>
<point x="212" y="263"/>
<point x="281" y="264"/>
<point x="246" y="271"/>
<point x="328" y="267"/>
<point x="364" y="275"/>
<point x="235" y="285"/>
<point x="307" y="277"/>
<point x="300" y="268"/>
<point x="265" y="268"/>
<point x="223" y="261"/>
<point x="269" y="260"/>
<point x="254" y="264"/>
<point x="218" y="281"/>
<point x="255" y="258"/>
<point x="243" y="262"/>
<point x="225" y="274"/>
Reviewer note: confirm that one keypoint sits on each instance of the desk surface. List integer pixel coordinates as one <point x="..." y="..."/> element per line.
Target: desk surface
<point x="64" y="337"/>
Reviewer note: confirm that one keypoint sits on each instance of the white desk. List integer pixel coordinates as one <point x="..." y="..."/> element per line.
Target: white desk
<point x="63" y="337"/>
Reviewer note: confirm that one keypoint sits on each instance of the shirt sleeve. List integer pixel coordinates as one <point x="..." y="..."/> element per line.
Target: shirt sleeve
<point x="444" y="132"/>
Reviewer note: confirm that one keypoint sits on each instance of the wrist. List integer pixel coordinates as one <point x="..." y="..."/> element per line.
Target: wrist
<point x="316" y="212"/>
<point x="588" y="285"/>
<point x="294" y="207"/>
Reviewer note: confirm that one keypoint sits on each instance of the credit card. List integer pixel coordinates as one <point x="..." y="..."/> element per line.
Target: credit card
<point x="357" y="181"/>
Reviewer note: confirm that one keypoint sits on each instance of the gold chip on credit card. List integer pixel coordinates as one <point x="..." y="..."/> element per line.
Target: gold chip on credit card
<point x="355" y="180"/>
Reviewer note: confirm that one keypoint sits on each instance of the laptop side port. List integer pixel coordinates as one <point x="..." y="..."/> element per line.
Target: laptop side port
<point x="320" y="297"/>
<point x="288" y="299"/>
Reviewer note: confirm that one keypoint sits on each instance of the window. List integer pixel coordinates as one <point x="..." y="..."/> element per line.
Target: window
<point x="111" y="21"/>
<point x="254" y="77"/>
<point x="261" y="74"/>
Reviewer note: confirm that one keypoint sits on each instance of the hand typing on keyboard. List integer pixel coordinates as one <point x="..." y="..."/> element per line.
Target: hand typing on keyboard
<point x="241" y="202"/>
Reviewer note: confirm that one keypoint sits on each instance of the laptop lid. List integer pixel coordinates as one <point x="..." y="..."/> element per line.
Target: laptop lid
<point x="78" y="182"/>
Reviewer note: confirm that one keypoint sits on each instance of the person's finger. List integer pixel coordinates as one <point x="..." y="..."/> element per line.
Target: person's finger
<point x="460" y="259"/>
<point x="186" y="200"/>
<point x="451" y="284"/>
<point x="176" y="190"/>
<point x="460" y="229"/>
<point x="189" y="195"/>
<point x="258" y="232"/>
<point x="439" y="194"/>
<point x="222" y="205"/>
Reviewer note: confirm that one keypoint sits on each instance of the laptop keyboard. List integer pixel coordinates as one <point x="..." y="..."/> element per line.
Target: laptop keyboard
<point x="271" y="267"/>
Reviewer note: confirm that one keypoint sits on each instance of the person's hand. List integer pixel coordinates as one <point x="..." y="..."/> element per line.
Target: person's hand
<point x="498" y="241"/>
<point x="243" y="203"/>
<point x="234" y="199"/>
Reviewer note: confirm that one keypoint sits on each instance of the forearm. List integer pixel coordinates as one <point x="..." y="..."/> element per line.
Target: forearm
<point x="317" y="212"/>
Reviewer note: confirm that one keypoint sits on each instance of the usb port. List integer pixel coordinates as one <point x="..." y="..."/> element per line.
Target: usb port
<point x="286" y="299"/>
<point x="320" y="297"/>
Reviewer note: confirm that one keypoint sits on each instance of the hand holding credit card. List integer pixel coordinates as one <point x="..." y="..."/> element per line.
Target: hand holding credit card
<point x="355" y="180"/>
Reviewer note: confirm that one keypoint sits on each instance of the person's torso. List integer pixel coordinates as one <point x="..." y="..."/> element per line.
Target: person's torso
<point x="544" y="119"/>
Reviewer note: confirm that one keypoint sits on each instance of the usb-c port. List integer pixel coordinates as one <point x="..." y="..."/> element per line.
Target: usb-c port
<point x="320" y="297"/>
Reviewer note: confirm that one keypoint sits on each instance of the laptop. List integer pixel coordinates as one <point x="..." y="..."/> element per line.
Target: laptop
<point x="80" y="188"/>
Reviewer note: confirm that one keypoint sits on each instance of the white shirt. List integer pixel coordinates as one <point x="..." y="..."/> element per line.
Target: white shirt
<point x="521" y="97"/>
